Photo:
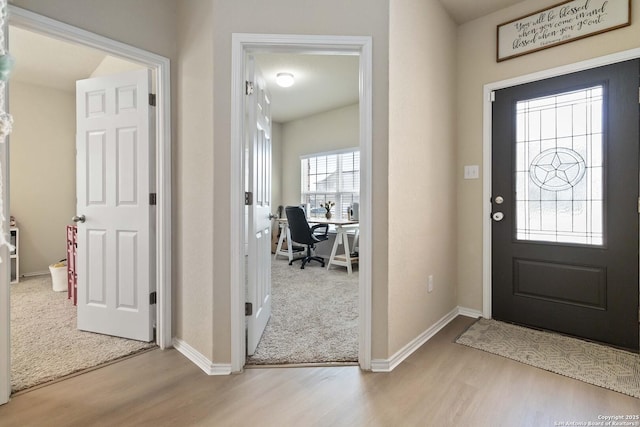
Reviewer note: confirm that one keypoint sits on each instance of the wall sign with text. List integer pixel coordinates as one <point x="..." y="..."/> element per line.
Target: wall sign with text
<point x="566" y="22"/>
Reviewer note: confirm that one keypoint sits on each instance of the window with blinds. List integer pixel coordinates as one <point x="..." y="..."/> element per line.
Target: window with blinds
<point x="331" y="177"/>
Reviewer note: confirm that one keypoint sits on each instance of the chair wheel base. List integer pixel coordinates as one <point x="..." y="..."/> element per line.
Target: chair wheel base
<point x="307" y="260"/>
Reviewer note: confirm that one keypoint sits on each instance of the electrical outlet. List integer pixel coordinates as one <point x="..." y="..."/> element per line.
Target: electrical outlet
<point x="430" y="283"/>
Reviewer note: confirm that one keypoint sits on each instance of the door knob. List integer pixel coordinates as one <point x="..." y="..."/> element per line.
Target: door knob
<point x="272" y="216"/>
<point x="497" y="216"/>
<point x="77" y="218"/>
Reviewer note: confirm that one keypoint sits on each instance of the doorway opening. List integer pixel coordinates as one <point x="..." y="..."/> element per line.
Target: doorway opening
<point x="251" y="44"/>
<point x="313" y="132"/>
<point x="44" y="325"/>
<point x="160" y="66"/>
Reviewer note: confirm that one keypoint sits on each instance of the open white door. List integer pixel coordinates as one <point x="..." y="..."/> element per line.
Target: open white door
<point x="258" y="134"/>
<point x="114" y="214"/>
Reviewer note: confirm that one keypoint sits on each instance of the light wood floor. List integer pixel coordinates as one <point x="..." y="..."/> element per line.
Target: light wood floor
<point x="442" y="384"/>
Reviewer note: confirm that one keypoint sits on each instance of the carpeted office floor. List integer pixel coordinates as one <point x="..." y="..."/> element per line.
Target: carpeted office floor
<point x="45" y="343"/>
<point x="314" y="316"/>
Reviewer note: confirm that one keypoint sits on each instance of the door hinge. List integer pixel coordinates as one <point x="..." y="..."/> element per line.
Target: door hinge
<point x="638" y="204"/>
<point x="248" y="309"/>
<point x="492" y="96"/>
<point x="152" y="199"/>
<point x="248" y="87"/>
<point x="153" y="298"/>
<point x="152" y="99"/>
<point x="248" y="198"/>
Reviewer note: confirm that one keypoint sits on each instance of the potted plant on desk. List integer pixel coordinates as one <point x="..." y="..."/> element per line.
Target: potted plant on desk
<point x="327" y="206"/>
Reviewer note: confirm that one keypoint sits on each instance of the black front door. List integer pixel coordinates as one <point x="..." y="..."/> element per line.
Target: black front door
<point x="565" y="204"/>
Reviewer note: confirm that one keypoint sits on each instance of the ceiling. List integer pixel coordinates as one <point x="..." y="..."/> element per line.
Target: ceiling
<point x="49" y="62"/>
<point x="462" y="11"/>
<point x="323" y="82"/>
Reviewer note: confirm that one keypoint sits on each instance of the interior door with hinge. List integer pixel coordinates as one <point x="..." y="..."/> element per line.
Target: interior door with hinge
<point x="565" y="204"/>
<point x="115" y="217"/>
<point x="258" y="185"/>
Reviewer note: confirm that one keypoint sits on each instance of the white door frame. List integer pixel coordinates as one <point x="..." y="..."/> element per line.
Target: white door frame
<point x="487" y="146"/>
<point x="31" y="21"/>
<point x="272" y="43"/>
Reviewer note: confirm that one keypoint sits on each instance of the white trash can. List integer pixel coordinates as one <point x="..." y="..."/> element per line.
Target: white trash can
<point x="59" y="276"/>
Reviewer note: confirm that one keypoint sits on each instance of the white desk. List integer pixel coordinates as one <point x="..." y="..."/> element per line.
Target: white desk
<point x="342" y="227"/>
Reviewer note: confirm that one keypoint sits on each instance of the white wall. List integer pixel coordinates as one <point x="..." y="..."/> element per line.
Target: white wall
<point x="43" y="172"/>
<point x="327" y="131"/>
<point x="477" y="66"/>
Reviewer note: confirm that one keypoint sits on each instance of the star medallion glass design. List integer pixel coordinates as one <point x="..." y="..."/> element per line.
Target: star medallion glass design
<point x="557" y="169"/>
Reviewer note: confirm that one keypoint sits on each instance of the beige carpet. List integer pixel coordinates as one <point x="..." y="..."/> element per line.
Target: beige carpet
<point x="314" y="316"/>
<point x="592" y="363"/>
<point x="45" y="343"/>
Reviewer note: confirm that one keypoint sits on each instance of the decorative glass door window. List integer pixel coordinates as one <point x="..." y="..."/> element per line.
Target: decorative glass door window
<point x="560" y="168"/>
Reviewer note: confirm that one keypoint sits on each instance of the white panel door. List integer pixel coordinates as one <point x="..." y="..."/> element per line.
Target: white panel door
<point x="114" y="217"/>
<point x="258" y="131"/>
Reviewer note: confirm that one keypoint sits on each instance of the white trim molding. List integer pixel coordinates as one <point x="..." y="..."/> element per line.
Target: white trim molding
<point x="487" y="145"/>
<point x="242" y="44"/>
<point x="469" y="312"/>
<point x="388" y="365"/>
<point x="200" y="360"/>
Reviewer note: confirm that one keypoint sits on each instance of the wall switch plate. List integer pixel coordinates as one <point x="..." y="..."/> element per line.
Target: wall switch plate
<point x="471" y="172"/>
<point x="430" y="283"/>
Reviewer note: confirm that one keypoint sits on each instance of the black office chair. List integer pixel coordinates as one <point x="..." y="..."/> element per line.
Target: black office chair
<point x="303" y="234"/>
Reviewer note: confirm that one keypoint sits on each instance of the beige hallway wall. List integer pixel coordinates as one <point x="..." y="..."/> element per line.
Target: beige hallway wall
<point x="147" y="24"/>
<point x="193" y="175"/>
<point x="422" y="173"/>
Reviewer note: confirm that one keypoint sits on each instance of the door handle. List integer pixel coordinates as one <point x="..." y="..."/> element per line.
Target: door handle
<point x="77" y="218"/>
<point x="497" y="216"/>
<point x="272" y="216"/>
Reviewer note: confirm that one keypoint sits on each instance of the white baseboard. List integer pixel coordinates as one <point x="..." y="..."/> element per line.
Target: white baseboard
<point x="468" y="312"/>
<point x="35" y="273"/>
<point x="388" y="365"/>
<point x="202" y="362"/>
<point x="377" y="365"/>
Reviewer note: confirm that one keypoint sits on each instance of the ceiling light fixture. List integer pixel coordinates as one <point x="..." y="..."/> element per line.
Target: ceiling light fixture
<point x="284" y="79"/>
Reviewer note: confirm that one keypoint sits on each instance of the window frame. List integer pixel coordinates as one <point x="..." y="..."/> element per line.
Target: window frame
<point x="335" y="196"/>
